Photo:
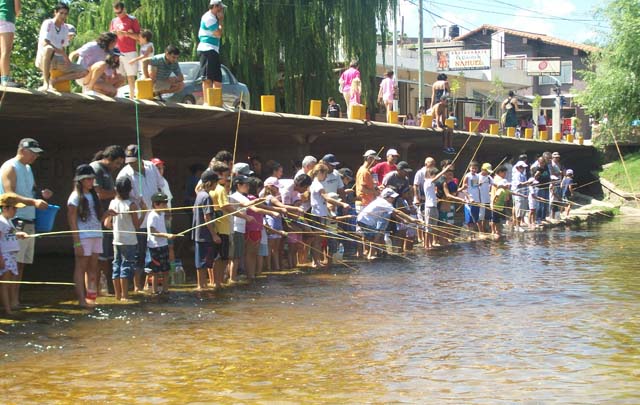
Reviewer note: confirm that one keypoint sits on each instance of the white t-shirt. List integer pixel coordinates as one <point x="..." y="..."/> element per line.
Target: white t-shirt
<point x="318" y="203"/>
<point x="418" y="179"/>
<point x="58" y="37"/>
<point x="430" y="196"/>
<point x="484" y="184"/>
<point x="473" y="188"/>
<point x="288" y="194"/>
<point x="123" y="223"/>
<point x="92" y="223"/>
<point x="333" y="182"/>
<point x="239" y="224"/>
<point x="8" y="241"/>
<point x="377" y="210"/>
<point x="151" y="184"/>
<point x="156" y="220"/>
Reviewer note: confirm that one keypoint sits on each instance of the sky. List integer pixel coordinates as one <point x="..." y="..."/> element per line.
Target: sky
<point x="571" y="20"/>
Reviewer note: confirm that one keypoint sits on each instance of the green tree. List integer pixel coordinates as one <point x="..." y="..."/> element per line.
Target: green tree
<point x="613" y="77"/>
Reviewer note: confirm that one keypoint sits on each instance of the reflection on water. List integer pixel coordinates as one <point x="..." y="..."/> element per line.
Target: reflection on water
<point x="542" y="318"/>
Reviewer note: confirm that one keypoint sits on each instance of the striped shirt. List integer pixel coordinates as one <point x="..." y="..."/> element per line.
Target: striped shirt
<point x="164" y="69"/>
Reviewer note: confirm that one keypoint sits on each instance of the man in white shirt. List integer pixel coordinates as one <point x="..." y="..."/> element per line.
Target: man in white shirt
<point x="51" y="55"/>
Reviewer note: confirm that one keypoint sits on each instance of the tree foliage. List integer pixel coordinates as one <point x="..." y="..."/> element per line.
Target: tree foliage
<point x="613" y="80"/>
<point x="291" y="48"/>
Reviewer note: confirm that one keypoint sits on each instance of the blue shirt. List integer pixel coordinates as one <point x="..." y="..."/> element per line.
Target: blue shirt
<point x="164" y="69"/>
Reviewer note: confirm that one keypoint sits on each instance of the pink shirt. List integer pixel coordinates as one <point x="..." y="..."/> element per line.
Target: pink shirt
<point x="347" y="77"/>
<point x="255" y="226"/>
<point x="387" y="87"/>
<point x="126" y="23"/>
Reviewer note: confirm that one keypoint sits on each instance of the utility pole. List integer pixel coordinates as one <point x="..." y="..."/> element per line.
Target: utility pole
<point x="557" y="111"/>
<point x="395" y="51"/>
<point x="421" y="56"/>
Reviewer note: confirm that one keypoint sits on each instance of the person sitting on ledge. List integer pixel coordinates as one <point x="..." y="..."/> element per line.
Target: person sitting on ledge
<point x="162" y="67"/>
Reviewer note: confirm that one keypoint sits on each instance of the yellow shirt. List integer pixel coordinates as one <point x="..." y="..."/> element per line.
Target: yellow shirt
<point x="219" y="199"/>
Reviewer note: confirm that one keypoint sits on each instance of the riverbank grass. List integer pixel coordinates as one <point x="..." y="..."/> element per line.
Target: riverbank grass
<point x="614" y="172"/>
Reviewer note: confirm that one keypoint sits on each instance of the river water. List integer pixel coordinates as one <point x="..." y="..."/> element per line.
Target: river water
<point x="551" y="317"/>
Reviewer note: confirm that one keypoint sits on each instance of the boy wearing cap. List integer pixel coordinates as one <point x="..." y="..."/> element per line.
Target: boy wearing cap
<point x="223" y="227"/>
<point x="204" y="233"/>
<point x="500" y="189"/>
<point x="520" y="190"/>
<point x="9" y="248"/>
<point x="567" y="191"/>
<point x="485" y="182"/>
<point x="431" y="213"/>
<point x="381" y="169"/>
<point x="333" y="182"/>
<point x="209" y="35"/>
<point x="158" y="242"/>
<point x="17" y="177"/>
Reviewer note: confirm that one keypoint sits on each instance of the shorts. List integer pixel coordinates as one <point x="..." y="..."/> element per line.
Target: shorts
<point x="91" y="246"/>
<point x="521" y="206"/>
<point x="533" y="203"/>
<point x="107" y="247"/>
<point x="159" y="262"/>
<point x="10" y="263"/>
<point x="447" y="217"/>
<point x="487" y="215"/>
<point x="431" y="217"/>
<point x="142" y="248"/>
<point x="27" y="245"/>
<point x="253" y="236"/>
<point x="238" y="245"/>
<point x="263" y="250"/>
<point x="126" y="68"/>
<point x="124" y="262"/>
<point x="7" y="27"/>
<point x="495" y="217"/>
<point x="204" y="255"/>
<point x="161" y="84"/>
<point x="294" y="238"/>
<point x="59" y="63"/>
<point x="210" y="68"/>
<point x="368" y="231"/>
<point x="471" y="214"/>
<point x="221" y="250"/>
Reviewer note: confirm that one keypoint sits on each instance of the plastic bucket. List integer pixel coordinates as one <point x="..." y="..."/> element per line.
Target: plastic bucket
<point x="46" y="218"/>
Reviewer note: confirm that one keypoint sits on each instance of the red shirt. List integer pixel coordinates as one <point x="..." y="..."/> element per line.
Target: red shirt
<point x="381" y="169"/>
<point x="125" y="23"/>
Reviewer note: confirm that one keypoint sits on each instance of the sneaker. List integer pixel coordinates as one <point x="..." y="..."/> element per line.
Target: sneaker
<point x="11" y="83"/>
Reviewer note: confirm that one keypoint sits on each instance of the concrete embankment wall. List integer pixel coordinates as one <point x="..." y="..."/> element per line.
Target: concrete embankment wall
<point x="72" y="127"/>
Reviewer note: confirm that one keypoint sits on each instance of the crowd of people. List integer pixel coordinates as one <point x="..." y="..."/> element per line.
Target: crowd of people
<point x="247" y="217"/>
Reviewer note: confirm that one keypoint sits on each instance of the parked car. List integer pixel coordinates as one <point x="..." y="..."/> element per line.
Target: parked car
<point x="192" y="92"/>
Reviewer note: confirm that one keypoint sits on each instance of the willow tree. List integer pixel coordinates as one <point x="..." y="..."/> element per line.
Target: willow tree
<point x="286" y="47"/>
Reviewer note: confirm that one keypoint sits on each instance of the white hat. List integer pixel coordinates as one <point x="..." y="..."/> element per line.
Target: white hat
<point x="569" y="172"/>
<point x="521" y="163"/>
<point x="392" y="152"/>
<point x="217" y="2"/>
<point x="388" y="192"/>
<point x="371" y="153"/>
<point x="272" y="181"/>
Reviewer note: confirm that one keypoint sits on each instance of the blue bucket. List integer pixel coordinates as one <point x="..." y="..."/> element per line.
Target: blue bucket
<point x="46" y="218"/>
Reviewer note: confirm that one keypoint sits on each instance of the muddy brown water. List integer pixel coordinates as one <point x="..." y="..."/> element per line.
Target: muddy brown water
<point x="552" y="317"/>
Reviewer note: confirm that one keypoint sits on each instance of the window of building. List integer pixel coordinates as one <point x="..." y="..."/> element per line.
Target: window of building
<point x="566" y="74"/>
<point x="483" y="106"/>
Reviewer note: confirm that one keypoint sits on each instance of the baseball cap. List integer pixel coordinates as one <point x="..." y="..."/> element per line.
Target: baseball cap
<point x="272" y="181"/>
<point x="392" y="152"/>
<point x="521" y="164"/>
<point x="404" y="166"/>
<point x="31" y="144"/>
<point x="84" y="171"/>
<point x="217" y="2"/>
<point x="72" y="29"/>
<point x="331" y="159"/>
<point x="371" y="153"/>
<point x="487" y="167"/>
<point x="209" y="175"/>
<point x="346" y="172"/>
<point x="131" y="154"/>
<point x="10" y="200"/>
<point x="569" y="172"/>
<point x="241" y="179"/>
<point x="555" y="154"/>
<point x="116" y="52"/>
<point x="387" y="192"/>
<point x="159" y="197"/>
<point x="157" y="161"/>
<point x="243" y="168"/>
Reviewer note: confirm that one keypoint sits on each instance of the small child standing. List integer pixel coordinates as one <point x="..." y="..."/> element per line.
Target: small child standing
<point x="204" y="234"/>
<point x="158" y="242"/>
<point x="147" y="49"/>
<point x="471" y="183"/>
<point x="125" y="242"/>
<point x="9" y="247"/>
<point x="333" y="110"/>
<point x="567" y="191"/>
